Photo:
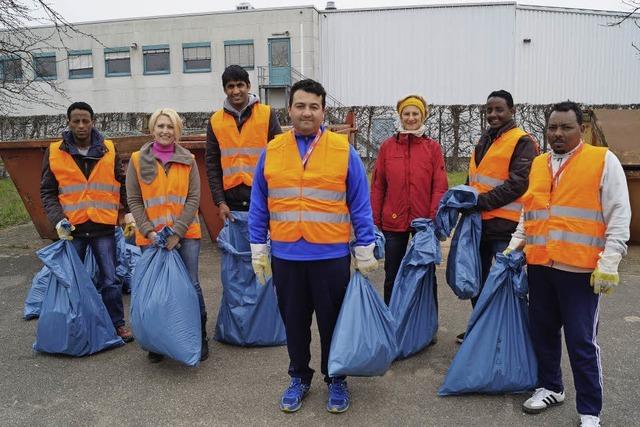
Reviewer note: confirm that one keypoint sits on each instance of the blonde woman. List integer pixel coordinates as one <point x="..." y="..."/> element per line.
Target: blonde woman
<point x="163" y="189"/>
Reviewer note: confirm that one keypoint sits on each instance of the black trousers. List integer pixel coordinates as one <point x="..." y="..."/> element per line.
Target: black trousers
<point x="305" y="287"/>
<point x="488" y="251"/>
<point x="395" y="247"/>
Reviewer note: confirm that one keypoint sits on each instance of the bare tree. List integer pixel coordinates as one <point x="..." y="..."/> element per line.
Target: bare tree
<point x="634" y="8"/>
<point x="22" y="71"/>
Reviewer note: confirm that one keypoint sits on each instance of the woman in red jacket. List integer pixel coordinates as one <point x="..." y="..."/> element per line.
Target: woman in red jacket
<point x="408" y="182"/>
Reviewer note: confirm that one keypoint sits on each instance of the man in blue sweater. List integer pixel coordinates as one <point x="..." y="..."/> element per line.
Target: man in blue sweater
<point x="309" y="188"/>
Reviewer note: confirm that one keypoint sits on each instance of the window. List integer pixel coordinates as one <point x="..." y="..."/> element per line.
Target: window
<point x="196" y="57"/>
<point x="238" y="52"/>
<point x="80" y="64"/>
<point x="44" y="66"/>
<point x="156" y="59"/>
<point x="10" y="68"/>
<point x="117" y="62"/>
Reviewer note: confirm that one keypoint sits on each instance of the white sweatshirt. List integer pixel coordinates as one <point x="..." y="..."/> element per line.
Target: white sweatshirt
<point x="616" y="209"/>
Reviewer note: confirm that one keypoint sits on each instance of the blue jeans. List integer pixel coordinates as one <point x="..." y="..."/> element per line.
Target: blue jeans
<point x="189" y="252"/>
<point x="104" y="251"/>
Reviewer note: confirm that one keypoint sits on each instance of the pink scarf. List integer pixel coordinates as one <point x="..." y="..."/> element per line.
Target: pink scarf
<point x="163" y="152"/>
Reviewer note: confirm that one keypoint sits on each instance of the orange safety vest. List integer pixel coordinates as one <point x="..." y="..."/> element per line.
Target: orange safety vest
<point x="240" y="150"/>
<point x="565" y="224"/>
<point x="494" y="171"/>
<point x="94" y="199"/>
<point x="164" y="198"/>
<point x="308" y="202"/>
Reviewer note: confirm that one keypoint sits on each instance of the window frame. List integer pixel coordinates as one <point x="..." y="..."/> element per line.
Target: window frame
<point x="10" y="58"/>
<point x="184" y="61"/>
<point x="109" y="50"/>
<point x="84" y="52"/>
<point x="144" y="59"/>
<point x="245" y="42"/>
<point x="38" y="55"/>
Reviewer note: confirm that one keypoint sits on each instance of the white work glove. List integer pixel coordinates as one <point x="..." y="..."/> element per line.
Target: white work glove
<point x="514" y="245"/>
<point x="129" y="229"/>
<point x="605" y="277"/>
<point x="64" y="229"/>
<point x="260" y="262"/>
<point x="364" y="259"/>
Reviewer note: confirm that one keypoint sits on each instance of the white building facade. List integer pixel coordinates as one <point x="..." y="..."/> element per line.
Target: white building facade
<point x="453" y="54"/>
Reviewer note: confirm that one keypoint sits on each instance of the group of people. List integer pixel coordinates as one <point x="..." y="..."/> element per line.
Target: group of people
<point x="305" y="189"/>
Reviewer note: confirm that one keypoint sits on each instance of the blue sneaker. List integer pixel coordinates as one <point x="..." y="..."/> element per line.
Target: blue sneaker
<point x="338" y="396"/>
<point x="291" y="399"/>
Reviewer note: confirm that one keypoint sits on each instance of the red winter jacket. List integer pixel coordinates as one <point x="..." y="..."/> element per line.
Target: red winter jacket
<point x="408" y="181"/>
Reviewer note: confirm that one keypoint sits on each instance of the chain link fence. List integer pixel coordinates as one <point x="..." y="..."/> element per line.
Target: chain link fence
<point x="456" y="127"/>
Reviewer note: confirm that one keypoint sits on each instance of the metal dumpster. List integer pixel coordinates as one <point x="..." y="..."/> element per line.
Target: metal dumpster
<point x="23" y="163"/>
<point x="620" y="131"/>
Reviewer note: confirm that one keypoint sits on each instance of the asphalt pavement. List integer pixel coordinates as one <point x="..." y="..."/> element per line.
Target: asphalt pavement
<point x="242" y="386"/>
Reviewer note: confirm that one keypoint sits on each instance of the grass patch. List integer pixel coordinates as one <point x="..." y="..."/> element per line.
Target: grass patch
<point x="12" y="210"/>
<point x="456" y="178"/>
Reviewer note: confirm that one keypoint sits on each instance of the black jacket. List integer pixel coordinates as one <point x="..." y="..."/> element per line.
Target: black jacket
<point x="238" y="197"/>
<point x="49" y="183"/>
<point x="512" y="188"/>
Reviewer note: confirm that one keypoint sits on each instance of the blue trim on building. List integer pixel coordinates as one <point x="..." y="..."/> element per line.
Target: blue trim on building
<point x="237" y="42"/>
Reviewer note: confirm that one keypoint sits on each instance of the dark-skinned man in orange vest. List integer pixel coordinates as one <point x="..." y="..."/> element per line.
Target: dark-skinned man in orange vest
<point x="574" y="229"/>
<point x="82" y="190"/>
<point x="499" y="170"/>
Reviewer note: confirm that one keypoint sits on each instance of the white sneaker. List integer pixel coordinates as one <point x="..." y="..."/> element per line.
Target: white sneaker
<point x="541" y="400"/>
<point x="589" y="421"/>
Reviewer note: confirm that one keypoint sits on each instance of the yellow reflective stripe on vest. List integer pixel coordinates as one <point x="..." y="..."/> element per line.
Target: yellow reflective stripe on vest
<point x="536" y="215"/>
<point x="581" y="213"/>
<point x="77" y="188"/>
<point x="310" y="217"/>
<point x="582" y="239"/>
<point x="239" y="169"/>
<point x="86" y="204"/>
<point x="314" y="193"/>
<point x="513" y="206"/>
<point x="161" y="200"/>
<point x="247" y="151"/>
<point x="483" y="179"/>
<point x="536" y="240"/>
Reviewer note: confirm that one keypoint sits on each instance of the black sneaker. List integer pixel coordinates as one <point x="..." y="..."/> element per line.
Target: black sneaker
<point x="155" y="357"/>
<point x="460" y="338"/>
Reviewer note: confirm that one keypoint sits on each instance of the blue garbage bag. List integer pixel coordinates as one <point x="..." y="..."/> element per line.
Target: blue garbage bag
<point x="463" y="273"/>
<point x="127" y="256"/>
<point x="73" y="319"/>
<point x="40" y="283"/>
<point x="38" y="290"/>
<point x="364" y="338"/>
<point x="378" y="250"/>
<point x="165" y="312"/>
<point x="412" y="304"/>
<point x="248" y="314"/>
<point x="497" y="355"/>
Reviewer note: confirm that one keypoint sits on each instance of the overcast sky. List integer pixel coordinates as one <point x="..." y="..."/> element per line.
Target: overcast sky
<point x="77" y="11"/>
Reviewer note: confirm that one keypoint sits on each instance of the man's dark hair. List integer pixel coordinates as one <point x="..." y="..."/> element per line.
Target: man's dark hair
<point x="568" y="106"/>
<point x="234" y="73"/>
<point x="79" y="106"/>
<point x="310" y="86"/>
<point x="504" y="95"/>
